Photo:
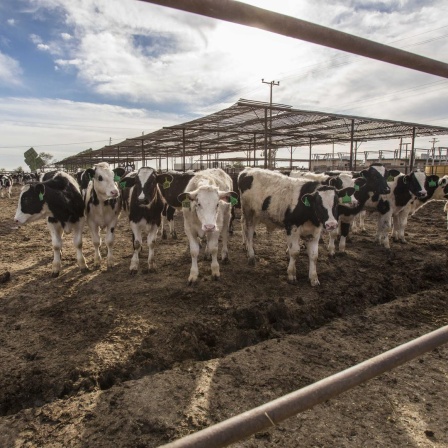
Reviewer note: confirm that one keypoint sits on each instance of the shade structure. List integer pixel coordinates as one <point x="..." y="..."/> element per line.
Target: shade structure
<point x="247" y="126"/>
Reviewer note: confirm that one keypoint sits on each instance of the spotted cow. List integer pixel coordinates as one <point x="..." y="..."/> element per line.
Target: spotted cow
<point x="59" y="200"/>
<point x="206" y="209"/>
<point x="302" y="208"/>
<point x="103" y="207"/>
<point x="144" y="202"/>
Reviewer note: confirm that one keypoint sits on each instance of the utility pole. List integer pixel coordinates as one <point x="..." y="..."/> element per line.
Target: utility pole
<point x="271" y="84"/>
<point x="433" y="141"/>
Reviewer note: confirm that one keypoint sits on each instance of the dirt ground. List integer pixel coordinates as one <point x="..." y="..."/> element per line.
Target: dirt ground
<point x="104" y="359"/>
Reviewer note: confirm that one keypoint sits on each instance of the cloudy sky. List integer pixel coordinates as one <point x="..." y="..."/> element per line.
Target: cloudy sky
<point x="78" y="74"/>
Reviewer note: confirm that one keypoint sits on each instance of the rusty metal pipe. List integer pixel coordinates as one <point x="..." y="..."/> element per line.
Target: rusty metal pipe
<point x="244" y="14"/>
<point x="265" y="416"/>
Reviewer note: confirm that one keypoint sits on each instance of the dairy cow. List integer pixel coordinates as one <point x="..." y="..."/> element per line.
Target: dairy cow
<point x="173" y="185"/>
<point x="410" y="194"/>
<point x="60" y="201"/>
<point x="5" y="185"/>
<point x="103" y="207"/>
<point x="143" y="201"/>
<point x="302" y="208"/>
<point x="370" y="187"/>
<point x="206" y="210"/>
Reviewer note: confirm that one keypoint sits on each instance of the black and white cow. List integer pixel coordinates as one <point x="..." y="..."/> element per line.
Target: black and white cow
<point x="103" y="207"/>
<point x="60" y="201"/>
<point x="303" y="208"/>
<point x="5" y="185"/>
<point x="408" y="195"/>
<point x="144" y="203"/>
<point x="371" y="187"/>
<point x="171" y="189"/>
<point x="206" y="209"/>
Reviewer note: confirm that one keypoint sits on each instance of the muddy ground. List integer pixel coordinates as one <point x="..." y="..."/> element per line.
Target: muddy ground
<point x="104" y="359"/>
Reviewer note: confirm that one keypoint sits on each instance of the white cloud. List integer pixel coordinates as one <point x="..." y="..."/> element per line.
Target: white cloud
<point x="134" y="51"/>
<point x="10" y="71"/>
<point x="11" y="22"/>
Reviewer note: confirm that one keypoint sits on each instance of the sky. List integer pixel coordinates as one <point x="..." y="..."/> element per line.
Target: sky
<point x="79" y="74"/>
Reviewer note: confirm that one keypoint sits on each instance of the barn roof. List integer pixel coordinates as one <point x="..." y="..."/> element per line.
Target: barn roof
<point x="245" y="126"/>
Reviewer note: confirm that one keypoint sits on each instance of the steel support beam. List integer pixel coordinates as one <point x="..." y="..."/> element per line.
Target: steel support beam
<point x="244" y="14"/>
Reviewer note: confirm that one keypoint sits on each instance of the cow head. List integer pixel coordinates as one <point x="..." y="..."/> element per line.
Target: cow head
<point x="205" y="201"/>
<point x="376" y="176"/>
<point x="145" y="184"/>
<point x="416" y="181"/>
<point x="103" y="178"/>
<point x="324" y="202"/>
<point x="31" y="206"/>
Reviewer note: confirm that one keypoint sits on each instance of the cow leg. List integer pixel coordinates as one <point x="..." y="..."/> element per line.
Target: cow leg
<point x="151" y="239"/>
<point x="194" y="252"/>
<point x="96" y="240"/>
<point x="383" y="229"/>
<point x="225" y="232"/>
<point x="56" y="232"/>
<point x="312" y="247"/>
<point x="402" y="222"/>
<point x="345" y="229"/>
<point x="163" y="229"/>
<point x="248" y="224"/>
<point x="243" y="230"/>
<point x="110" y="240"/>
<point x="212" y="245"/>
<point x="332" y="237"/>
<point x="137" y="243"/>
<point x="170" y="216"/>
<point x="77" y="242"/>
<point x="293" y="243"/>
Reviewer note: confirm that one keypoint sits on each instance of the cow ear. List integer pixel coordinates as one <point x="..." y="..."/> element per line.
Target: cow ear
<point x="229" y="196"/>
<point x="90" y="173"/>
<point x="165" y="180"/>
<point x="432" y="181"/>
<point x="392" y="174"/>
<point x="40" y="190"/>
<point x="349" y="191"/>
<point x="364" y="173"/>
<point x="185" y="199"/>
<point x="360" y="182"/>
<point x="127" y="182"/>
<point x="119" y="172"/>
<point x="307" y="199"/>
<point x="443" y="181"/>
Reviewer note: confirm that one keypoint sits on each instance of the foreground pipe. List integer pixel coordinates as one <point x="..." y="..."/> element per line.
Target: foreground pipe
<point x="258" y="419"/>
<point x="244" y="14"/>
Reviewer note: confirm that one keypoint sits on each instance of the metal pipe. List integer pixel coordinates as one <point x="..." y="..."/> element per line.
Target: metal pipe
<point x="270" y="414"/>
<point x="352" y="133"/>
<point x="411" y="165"/>
<point x="244" y="14"/>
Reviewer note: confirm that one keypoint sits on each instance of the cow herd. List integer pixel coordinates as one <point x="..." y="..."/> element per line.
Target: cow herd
<point x="302" y="204"/>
